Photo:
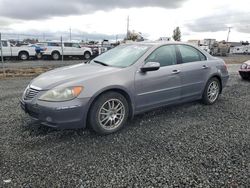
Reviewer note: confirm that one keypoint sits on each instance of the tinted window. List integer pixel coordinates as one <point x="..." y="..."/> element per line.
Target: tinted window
<point x="75" y="45"/>
<point x="67" y="44"/>
<point x="53" y="44"/>
<point x="190" y="54"/>
<point x="164" y="55"/>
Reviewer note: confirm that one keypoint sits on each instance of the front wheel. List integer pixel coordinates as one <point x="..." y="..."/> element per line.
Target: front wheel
<point x="55" y="56"/>
<point x="211" y="92"/>
<point x="109" y="113"/>
<point x="87" y="55"/>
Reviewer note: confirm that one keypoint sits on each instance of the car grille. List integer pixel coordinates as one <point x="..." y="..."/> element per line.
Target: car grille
<point x="30" y="93"/>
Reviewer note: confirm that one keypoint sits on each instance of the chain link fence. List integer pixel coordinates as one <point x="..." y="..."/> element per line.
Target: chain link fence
<point x="23" y="52"/>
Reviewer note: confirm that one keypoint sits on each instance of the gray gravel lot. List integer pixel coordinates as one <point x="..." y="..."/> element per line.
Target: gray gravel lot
<point x="189" y="145"/>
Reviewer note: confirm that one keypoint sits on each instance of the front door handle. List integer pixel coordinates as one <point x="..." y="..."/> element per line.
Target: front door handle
<point x="204" y="66"/>
<point x="176" y="71"/>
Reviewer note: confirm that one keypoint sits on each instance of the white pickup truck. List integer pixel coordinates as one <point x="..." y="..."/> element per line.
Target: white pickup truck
<point x="22" y="52"/>
<point x="54" y="50"/>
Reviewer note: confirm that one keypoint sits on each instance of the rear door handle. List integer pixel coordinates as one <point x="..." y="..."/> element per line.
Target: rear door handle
<point x="176" y="71"/>
<point x="204" y="66"/>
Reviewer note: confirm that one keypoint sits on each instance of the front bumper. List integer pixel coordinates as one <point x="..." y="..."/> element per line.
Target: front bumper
<point x="65" y="115"/>
<point x="245" y="73"/>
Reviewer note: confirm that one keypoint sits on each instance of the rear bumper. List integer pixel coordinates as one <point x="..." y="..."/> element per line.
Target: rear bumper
<point x="62" y="115"/>
<point x="224" y="80"/>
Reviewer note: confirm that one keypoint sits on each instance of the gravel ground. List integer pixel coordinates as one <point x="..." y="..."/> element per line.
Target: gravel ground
<point x="189" y="145"/>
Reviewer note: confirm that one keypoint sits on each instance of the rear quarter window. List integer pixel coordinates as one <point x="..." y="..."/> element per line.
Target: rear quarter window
<point x="190" y="54"/>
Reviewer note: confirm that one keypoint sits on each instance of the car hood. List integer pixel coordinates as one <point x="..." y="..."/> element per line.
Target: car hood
<point x="79" y="72"/>
<point x="247" y="62"/>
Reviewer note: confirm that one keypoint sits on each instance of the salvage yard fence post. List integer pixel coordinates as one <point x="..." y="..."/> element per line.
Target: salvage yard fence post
<point x="62" y="47"/>
<point x="1" y="46"/>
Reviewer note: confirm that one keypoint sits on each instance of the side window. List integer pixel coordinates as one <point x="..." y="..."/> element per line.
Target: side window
<point x="53" y="44"/>
<point x="164" y="55"/>
<point x="4" y="43"/>
<point x="75" y="45"/>
<point x="67" y="44"/>
<point x="190" y="54"/>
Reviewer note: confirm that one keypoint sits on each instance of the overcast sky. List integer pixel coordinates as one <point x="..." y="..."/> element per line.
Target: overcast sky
<point x="95" y="19"/>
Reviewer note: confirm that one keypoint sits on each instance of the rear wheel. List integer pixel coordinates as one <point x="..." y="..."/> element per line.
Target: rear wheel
<point x="108" y="113"/>
<point x="55" y="56"/>
<point x="212" y="91"/>
<point x="23" y="56"/>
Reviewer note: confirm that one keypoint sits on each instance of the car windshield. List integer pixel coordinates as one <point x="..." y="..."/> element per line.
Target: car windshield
<point x="122" y="56"/>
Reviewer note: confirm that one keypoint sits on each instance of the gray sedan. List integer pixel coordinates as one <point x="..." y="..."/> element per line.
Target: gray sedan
<point x="123" y="82"/>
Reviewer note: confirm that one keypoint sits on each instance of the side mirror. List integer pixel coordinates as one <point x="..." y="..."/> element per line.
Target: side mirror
<point x="150" y="66"/>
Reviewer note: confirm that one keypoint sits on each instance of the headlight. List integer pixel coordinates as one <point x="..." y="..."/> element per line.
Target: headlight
<point x="61" y="94"/>
<point x="243" y="66"/>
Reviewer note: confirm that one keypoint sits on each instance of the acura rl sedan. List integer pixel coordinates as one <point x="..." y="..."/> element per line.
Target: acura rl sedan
<point x="123" y="82"/>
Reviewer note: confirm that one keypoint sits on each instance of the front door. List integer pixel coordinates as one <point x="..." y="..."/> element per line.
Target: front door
<point x="160" y="87"/>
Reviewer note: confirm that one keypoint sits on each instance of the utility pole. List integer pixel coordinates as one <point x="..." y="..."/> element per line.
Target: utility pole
<point x="229" y="30"/>
<point x="127" y="27"/>
<point x="70" y="34"/>
<point x="116" y="38"/>
<point x="62" y="47"/>
<point x="1" y="46"/>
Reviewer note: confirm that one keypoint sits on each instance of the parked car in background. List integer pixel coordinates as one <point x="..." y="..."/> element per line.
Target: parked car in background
<point x="122" y="82"/>
<point x="54" y="50"/>
<point x="245" y="70"/>
<point x="39" y="48"/>
<point x="22" y="52"/>
<point x="205" y="48"/>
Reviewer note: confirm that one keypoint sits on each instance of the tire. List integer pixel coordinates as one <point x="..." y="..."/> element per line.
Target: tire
<point x="39" y="55"/>
<point x="108" y="113"/>
<point x="55" y="56"/>
<point x="23" y="56"/>
<point x="212" y="91"/>
<point x="87" y="55"/>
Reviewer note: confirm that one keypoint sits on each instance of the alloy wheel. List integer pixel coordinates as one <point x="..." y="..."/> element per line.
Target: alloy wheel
<point x="213" y="91"/>
<point x="111" y="114"/>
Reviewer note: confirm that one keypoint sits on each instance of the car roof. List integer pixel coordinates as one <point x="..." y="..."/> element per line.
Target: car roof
<point x="159" y="43"/>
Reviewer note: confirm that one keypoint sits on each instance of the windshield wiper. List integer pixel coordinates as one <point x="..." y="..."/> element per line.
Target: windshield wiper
<point x="99" y="62"/>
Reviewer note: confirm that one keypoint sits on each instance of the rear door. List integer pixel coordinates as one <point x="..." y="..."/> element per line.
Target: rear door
<point x="160" y="87"/>
<point x="6" y="49"/>
<point x="194" y="71"/>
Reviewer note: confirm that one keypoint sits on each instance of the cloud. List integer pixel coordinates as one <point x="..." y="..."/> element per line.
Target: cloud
<point x="46" y="35"/>
<point x="33" y="10"/>
<point x="221" y="21"/>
